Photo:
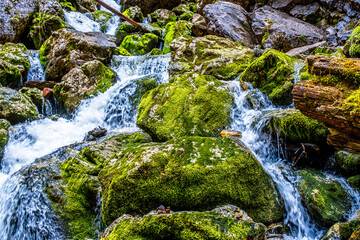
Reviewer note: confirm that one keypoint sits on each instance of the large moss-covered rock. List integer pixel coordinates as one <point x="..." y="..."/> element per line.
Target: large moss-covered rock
<point x="352" y="46"/>
<point x="192" y="173"/>
<point x="296" y="127"/>
<point x="175" y="30"/>
<point x="43" y="26"/>
<point x="347" y="163"/>
<point x="67" y="49"/>
<point x="10" y="75"/>
<point x="185" y="225"/>
<point x="82" y="82"/>
<point x="324" y="197"/>
<point x="163" y="17"/>
<point x="272" y="74"/>
<point x="150" y="6"/>
<point x="209" y="55"/>
<point x="354" y="182"/>
<point x="16" y="107"/>
<point x="139" y="45"/>
<point x="188" y="106"/>
<point x="4" y="135"/>
<point x="35" y="95"/>
<point x="342" y="231"/>
<point x="134" y="13"/>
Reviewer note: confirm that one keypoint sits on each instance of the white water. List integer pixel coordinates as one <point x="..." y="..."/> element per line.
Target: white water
<point x="36" y="71"/>
<point x="24" y="208"/>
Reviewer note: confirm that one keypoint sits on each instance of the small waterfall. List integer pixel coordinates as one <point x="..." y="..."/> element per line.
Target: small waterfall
<point x="243" y="118"/>
<point x="36" y="71"/>
<point x="25" y="212"/>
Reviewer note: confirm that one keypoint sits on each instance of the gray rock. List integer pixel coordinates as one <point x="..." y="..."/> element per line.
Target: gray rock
<point x="231" y="21"/>
<point x="149" y="6"/>
<point x="16" y="107"/>
<point x="163" y="17"/>
<point x="286" y="5"/>
<point x="199" y="26"/>
<point x="51" y="7"/>
<point x="243" y="3"/>
<point x="275" y="29"/>
<point x="67" y="48"/>
<point x="309" y="13"/>
<point x="15" y="17"/>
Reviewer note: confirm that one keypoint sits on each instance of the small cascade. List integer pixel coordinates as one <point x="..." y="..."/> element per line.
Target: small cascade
<point x="298" y="65"/>
<point x="243" y="119"/>
<point x="36" y="71"/>
<point x="25" y="212"/>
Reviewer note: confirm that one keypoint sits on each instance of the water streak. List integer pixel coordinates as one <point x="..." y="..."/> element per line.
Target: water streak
<point x="36" y="71"/>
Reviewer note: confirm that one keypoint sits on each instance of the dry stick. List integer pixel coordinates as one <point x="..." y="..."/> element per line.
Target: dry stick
<point x="129" y="20"/>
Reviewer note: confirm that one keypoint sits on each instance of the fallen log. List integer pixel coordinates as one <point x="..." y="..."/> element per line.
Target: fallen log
<point x="40" y="84"/>
<point x="129" y="20"/>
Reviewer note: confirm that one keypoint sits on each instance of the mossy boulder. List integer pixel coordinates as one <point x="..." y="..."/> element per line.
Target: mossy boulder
<point x="4" y="135"/>
<point x="139" y="45"/>
<point x="185" y="225"/>
<point x="134" y="13"/>
<point x="163" y="17"/>
<point x="298" y="128"/>
<point x="175" y="30"/>
<point x="187" y="106"/>
<point x="82" y="82"/>
<point x="10" y="75"/>
<point x="16" y="107"/>
<point x="67" y="49"/>
<point x="142" y="86"/>
<point x="342" y="231"/>
<point x="324" y="197"/>
<point x="193" y="173"/>
<point x="43" y="26"/>
<point x="352" y="46"/>
<point x="347" y="163"/>
<point x="272" y="74"/>
<point x="35" y="95"/>
<point x="121" y="51"/>
<point x="354" y="182"/>
<point x="102" y="17"/>
<point x="209" y="55"/>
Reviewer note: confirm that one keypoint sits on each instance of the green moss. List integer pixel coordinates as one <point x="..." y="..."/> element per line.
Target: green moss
<point x="101" y="16"/>
<point x="162" y="17"/>
<point x="272" y="74"/>
<point x="186" y="16"/>
<point x="142" y="86"/>
<point x="134" y="13"/>
<point x="15" y="54"/>
<point x="67" y="5"/>
<point x="139" y="45"/>
<point x="352" y="46"/>
<point x="187" y="106"/>
<point x="187" y="174"/>
<point x="324" y="197"/>
<point x="45" y="47"/>
<point x="354" y="182"/>
<point x="126" y="28"/>
<point x="299" y="128"/>
<point x="43" y="26"/>
<point x="10" y="76"/>
<point x="186" y="225"/>
<point x="352" y="103"/>
<point x="4" y="133"/>
<point x="121" y="51"/>
<point x="156" y="51"/>
<point x="174" y="30"/>
<point x="346" y="229"/>
<point x="347" y="163"/>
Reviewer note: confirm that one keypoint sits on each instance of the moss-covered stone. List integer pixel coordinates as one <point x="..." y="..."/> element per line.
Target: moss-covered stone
<point x="174" y="30"/>
<point x="272" y="74"/>
<point x="163" y="17"/>
<point x="352" y="46"/>
<point x="193" y="173"/>
<point x="355" y="235"/>
<point x="346" y="229"/>
<point x="101" y="16"/>
<point x="35" y="95"/>
<point x="186" y="16"/>
<point x="354" y="182"/>
<point x="188" y="106"/>
<point x="209" y="55"/>
<point x="186" y="225"/>
<point x="82" y="82"/>
<point x="156" y="51"/>
<point x="127" y="28"/>
<point x="134" y="13"/>
<point x="142" y="86"/>
<point x="16" y="107"/>
<point x="121" y="51"/>
<point x="347" y="163"/>
<point x="43" y="26"/>
<point x="139" y="45"/>
<point x="4" y="135"/>
<point x="324" y="197"/>
<point x="298" y="128"/>
<point x="10" y="76"/>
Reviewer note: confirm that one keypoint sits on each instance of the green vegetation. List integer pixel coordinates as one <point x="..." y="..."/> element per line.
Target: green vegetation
<point x="174" y="30"/>
<point x="139" y="45"/>
<point x="352" y="46"/>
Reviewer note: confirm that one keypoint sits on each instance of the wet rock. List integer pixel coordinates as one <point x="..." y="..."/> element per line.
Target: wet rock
<point x="209" y="55"/>
<point x="139" y="44"/>
<point x="352" y="47"/>
<point x="331" y="97"/>
<point x="275" y="29"/>
<point x="4" y="135"/>
<point x="230" y="21"/>
<point x="308" y="13"/>
<point x="15" y="17"/>
<point x="342" y="231"/>
<point x="324" y="197"/>
<point x="67" y="49"/>
<point x="9" y="75"/>
<point x="34" y="94"/>
<point x="134" y="13"/>
<point x="347" y="163"/>
<point x="354" y="182"/>
<point x="82" y="82"/>
<point x="102" y="17"/>
<point x="48" y="93"/>
<point x="151" y="172"/>
<point x="51" y="7"/>
<point x="243" y="3"/>
<point x="199" y="26"/>
<point x="174" y="30"/>
<point x="272" y="75"/>
<point x="40" y="84"/>
<point x="16" y="107"/>
<point x="85" y="6"/>
<point x="355" y="235"/>
<point x="184" y="224"/>
<point x="150" y="6"/>
<point x="43" y="26"/>
<point x="199" y="106"/>
<point x="163" y="17"/>
<point x="95" y="134"/>
<point x="306" y="50"/>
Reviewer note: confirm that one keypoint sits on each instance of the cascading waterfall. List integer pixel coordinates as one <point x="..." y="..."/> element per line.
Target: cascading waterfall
<point x="25" y="212"/>
<point x="36" y="71"/>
